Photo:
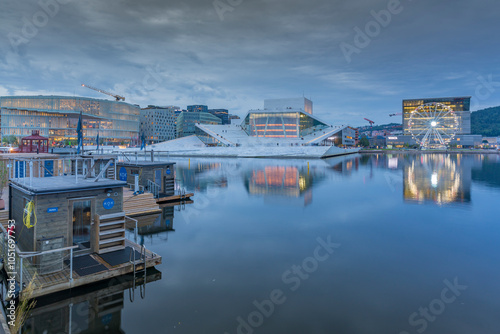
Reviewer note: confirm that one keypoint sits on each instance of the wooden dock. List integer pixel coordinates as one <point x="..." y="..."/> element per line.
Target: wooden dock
<point x="45" y="284"/>
<point x="175" y="198"/>
<point x="138" y="205"/>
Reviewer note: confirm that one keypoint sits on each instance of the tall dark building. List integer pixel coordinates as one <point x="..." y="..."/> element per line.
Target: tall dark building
<point x="223" y="114"/>
<point x="197" y="108"/>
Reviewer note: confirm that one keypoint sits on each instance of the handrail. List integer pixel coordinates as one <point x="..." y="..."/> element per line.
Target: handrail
<point x="154" y="188"/>
<point x="25" y="255"/>
<point x="135" y="230"/>
<point x="31" y="254"/>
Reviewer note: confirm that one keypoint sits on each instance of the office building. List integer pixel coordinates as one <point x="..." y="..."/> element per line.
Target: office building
<point x="197" y="108"/>
<point x="460" y="105"/>
<point x="186" y="122"/>
<point x="158" y="124"/>
<point x="222" y="114"/>
<point x="56" y="117"/>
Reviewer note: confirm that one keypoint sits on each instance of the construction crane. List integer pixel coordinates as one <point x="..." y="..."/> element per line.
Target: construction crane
<point x="369" y="121"/>
<point x="117" y="97"/>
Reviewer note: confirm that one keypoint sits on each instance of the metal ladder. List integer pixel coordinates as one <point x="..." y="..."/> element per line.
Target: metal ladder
<point x="142" y="288"/>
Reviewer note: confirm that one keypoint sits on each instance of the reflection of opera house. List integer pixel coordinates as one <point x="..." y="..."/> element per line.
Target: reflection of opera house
<point x="287" y="131"/>
<point x="437" y="178"/>
<point x="282" y="181"/>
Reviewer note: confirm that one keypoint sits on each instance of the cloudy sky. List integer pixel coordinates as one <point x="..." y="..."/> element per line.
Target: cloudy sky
<point x="354" y="59"/>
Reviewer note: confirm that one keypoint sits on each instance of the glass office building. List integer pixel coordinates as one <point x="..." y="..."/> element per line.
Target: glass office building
<point x="56" y="117"/>
<point x="186" y="122"/>
<point x="281" y="124"/>
<point x="461" y="106"/>
<point x="158" y="124"/>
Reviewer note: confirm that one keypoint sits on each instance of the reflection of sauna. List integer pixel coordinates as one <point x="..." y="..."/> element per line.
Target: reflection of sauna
<point x="97" y="309"/>
<point x="163" y="222"/>
<point x="436" y="178"/>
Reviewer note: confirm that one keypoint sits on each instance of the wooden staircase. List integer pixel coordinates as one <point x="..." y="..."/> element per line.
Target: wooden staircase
<point x="169" y="186"/>
<point x="110" y="173"/>
<point x="110" y="232"/>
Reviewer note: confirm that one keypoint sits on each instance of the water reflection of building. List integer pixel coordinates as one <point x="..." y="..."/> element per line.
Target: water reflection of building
<point x="193" y="177"/>
<point x="282" y="181"/>
<point x="96" y="310"/>
<point x="344" y="165"/>
<point x="437" y="178"/>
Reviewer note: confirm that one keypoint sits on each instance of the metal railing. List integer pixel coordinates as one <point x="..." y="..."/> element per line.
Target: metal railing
<point x="43" y="268"/>
<point x="141" y="156"/>
<point x="135" y="229"/>
<point x="154" y="188"/>
<point x="24" y="170"/>
<point x="25" y="267"/>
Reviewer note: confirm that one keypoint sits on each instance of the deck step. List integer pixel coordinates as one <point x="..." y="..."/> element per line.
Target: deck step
<point x="107" y="241"/>
<point x="112" y="249"/>
<point x="116" y="230"/>
<point x="112" y="223"/>
<point x="112" y="215"/>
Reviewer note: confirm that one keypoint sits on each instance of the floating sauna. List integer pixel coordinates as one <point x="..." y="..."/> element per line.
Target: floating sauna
<point x="155" y="177"/>
<point x="74" y="225"/>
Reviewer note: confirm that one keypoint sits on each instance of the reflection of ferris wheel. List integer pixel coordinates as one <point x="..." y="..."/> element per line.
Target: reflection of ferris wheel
<point x="433" y="125"/>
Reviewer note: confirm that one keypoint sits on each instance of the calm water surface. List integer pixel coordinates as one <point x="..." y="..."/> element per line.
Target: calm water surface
<point x="358" y="244"/>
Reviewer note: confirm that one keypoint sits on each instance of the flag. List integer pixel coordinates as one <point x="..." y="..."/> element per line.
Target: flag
<point x="79" y="133"/>
<point x="143" y="142"/>
<point x="97" y="140"/>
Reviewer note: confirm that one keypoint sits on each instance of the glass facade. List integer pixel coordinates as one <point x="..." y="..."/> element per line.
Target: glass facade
<point x="158" y="124"/>
<point x="460" y="105"/>
<point x="56" y="117"/>
<point x="223" y="114"/>
<point x="186" y="122"/>
<point x="286" y="124"/>
<point x="197" y="108"/>
<point x="342" y="138"/>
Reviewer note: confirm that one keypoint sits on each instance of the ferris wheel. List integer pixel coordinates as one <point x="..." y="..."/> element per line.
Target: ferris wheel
<point x="433" y="125"/>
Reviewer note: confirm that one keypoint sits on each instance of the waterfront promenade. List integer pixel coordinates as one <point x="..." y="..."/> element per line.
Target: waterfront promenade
<point x="416" y="151"/>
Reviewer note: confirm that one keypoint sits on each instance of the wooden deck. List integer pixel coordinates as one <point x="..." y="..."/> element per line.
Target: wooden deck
<point x="175" y="198"/>
<point x="45" y="284"/>
<point x="137" y="205"/>
<point x="51" y="283"/>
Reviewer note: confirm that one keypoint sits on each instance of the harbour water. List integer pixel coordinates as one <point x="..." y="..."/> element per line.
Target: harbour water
<point x="355" y="244"/>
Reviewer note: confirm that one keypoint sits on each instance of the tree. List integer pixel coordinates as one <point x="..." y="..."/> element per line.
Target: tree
<point x="10" y="139"/>
<point x="364" y="141"/>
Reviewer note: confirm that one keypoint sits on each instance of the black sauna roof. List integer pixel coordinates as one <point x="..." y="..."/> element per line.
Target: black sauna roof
<point x="68" y="183"/>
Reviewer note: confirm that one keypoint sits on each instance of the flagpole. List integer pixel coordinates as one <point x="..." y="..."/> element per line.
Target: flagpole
<point x="81" y="129"/>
